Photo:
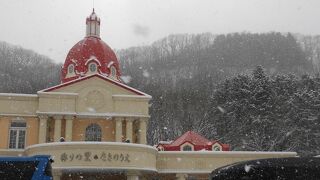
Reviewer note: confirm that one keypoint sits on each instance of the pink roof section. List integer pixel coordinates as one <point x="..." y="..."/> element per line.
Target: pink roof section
<point x="199" y="143"/>
<point x="191" y="137"/>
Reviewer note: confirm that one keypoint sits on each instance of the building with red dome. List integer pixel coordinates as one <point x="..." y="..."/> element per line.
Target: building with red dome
<point x="91" y="55"/>
<point x="93" y="112"/>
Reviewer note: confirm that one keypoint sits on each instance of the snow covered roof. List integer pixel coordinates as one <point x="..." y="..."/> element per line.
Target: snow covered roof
<point x="191" y="137"/>
<point x="198" y="142"/>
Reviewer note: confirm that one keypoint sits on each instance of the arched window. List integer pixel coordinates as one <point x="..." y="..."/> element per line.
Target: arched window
<point x="113" y="71"/>
<point x="216" y="147"/>
<point x="187" y="148"/>
<point x="160" y="148"/>
<point x="93" y="132"/>
<point x="71" y="69"/>
<point x="92" y="67"/>
<point x="17" y="136"/>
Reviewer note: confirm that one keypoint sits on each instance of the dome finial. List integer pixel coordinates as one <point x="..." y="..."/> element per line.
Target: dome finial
<point x="93" y="25"/>
<point x="92" y="6"/>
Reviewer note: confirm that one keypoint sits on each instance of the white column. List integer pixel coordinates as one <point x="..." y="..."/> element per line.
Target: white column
<point x="143" y="130"/>
<point x="181" y="176"/>
<point x="129" y="129"/>
<point x="56" y="175"/>
<point x="118" y="129"/>
<point x="42" y="129"/>
<point x="133" y="175"/>
<point x="69" y="126"/>
<point x="57" y="128"/>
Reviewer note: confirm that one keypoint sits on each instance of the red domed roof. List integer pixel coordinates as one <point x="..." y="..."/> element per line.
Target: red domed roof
<point x="90" y="50"/>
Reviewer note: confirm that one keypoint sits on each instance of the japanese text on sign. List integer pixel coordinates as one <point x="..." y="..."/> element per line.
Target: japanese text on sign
<point x="90" y="157"/>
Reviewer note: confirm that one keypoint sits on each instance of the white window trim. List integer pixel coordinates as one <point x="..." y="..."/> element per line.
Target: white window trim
<point x="92" y="72"/>
<point x="71" y="74"/>
<point x="71" y="65"/>
<point x="92" y="59"/>
<point x="115" y="71"/>
<point x="17" y="119"/>
<point x="161" y="148"/>
<point x="216" y="145"/>
<point x="186" y="144"/>
<point x="97" y="125"/>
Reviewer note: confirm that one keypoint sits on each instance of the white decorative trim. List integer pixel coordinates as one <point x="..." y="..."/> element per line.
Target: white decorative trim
<point x="110" y="63"/>
<point x="61" y="94"/>
<point x="92" y="115"/>
<point x="186" y="144"/>
<point x="103" y="77"/>
<point x="73" y="72"/>
<point x="93" y="58"/>
<point x="103" y="74"/>
<point x="74" y="61"/>
<point x="18" y="119"/>
<point x="94" y="99"/>
<point x="216" y="145"/>
<point x="223" y="153"/>
<point x="14" y="96"/>
<point x="20" y="115"/>
<point x="126" y="97"/>
<point x="69" y="82"/>
<point x="188" y="171"/>
<point x="19" y="95"/>
<point x="56" y="113"/>
<point x="99" y="115"/>
<point x="76" y="168"/>
<point x="12" y="150"/>
<point x="124" y="85"/>
<point x="74" y="143"/>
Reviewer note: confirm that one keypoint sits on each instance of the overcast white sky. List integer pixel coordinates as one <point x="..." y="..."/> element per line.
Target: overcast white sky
<point x="52" y="27"/>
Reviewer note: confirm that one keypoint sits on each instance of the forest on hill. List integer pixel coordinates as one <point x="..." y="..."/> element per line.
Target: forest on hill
<point x="253" y="91"/>
<point x="24" y="71"/>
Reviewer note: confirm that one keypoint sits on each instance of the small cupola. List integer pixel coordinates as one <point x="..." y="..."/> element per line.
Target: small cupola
<point x="93" y="25"/>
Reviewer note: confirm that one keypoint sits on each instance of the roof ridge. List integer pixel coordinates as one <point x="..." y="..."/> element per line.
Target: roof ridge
<point x="99" y="76"/>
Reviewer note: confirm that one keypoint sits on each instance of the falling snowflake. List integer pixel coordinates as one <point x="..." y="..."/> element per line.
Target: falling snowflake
<point x="126" y="79"/>
<point x="145" y="73"/>
<point x="221" y="109"/>
<point x="247" y="168"/>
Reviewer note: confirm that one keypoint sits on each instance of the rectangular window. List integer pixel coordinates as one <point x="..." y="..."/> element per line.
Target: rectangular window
<point x="13" y="137"/>
<point x="17" y="135"/>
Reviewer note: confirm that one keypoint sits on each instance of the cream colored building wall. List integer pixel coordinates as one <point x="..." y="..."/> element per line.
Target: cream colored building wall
<point x="95" y="95"/>
<point x="80" y="125"/>
<point x="91" y="96"/>
<point x="206" y="161"/>
<point x="95" y="99"/>
<point x="127" y="156"/>
<point x="32" y="131"/>
<point x="131" y="105"/>
<point x="18" y="104"/>
<point x="57" y="102"/>
<point x="4" y="132"/>
<point x="92" y="155"/>
<point x="88" y="101"/>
